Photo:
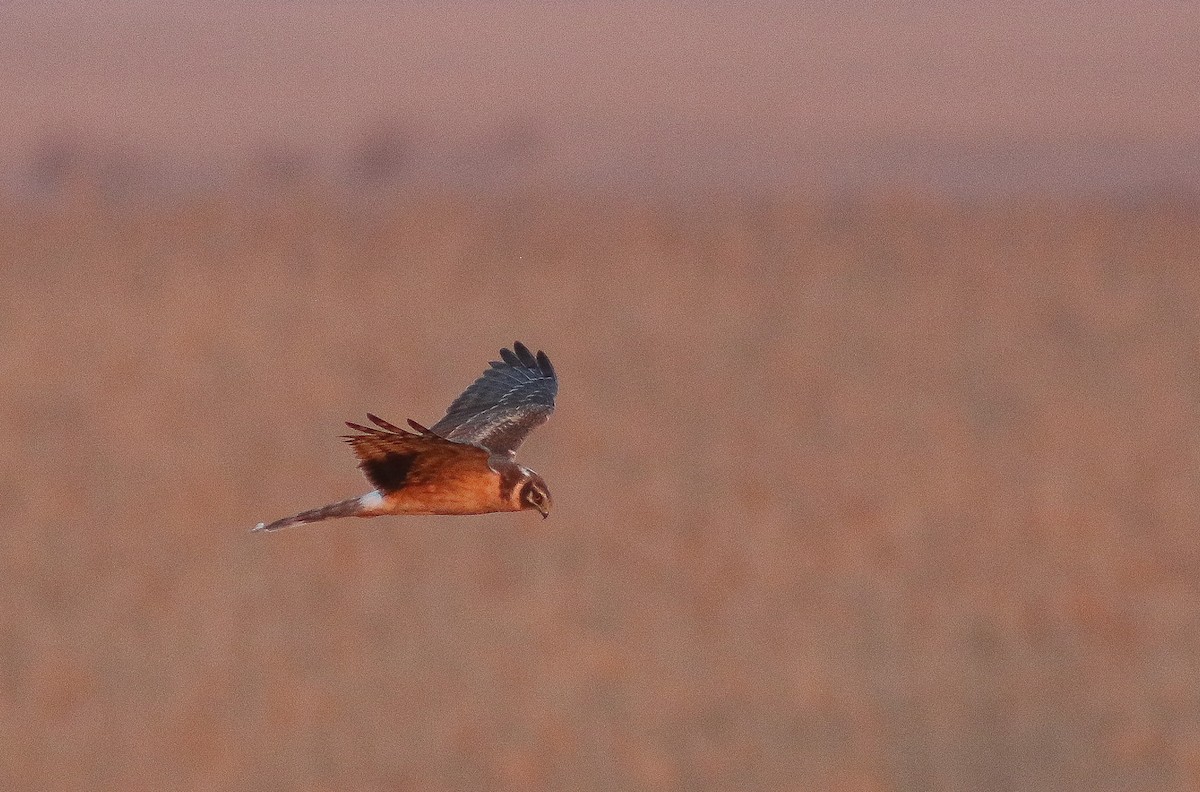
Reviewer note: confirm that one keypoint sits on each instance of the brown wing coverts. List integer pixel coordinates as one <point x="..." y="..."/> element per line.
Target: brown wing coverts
<point x="392" y="458"/>
<point x="501" y="408"/>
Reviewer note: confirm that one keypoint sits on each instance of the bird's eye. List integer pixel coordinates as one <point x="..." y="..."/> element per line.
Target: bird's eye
<point x="535" y="496"/>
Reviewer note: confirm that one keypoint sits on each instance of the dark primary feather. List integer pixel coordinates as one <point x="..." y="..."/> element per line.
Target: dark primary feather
<point x="501" y="408"/>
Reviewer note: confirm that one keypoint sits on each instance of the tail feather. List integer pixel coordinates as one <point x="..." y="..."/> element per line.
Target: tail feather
<point x="352" y="507"/>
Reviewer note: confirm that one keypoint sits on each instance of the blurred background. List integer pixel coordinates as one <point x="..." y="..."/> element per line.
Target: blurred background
<point x="875" y="464"/>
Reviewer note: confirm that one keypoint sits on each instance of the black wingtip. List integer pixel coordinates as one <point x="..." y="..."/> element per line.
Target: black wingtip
<point x="382" y="424"/>
<point x="524" y="355"/>
<point x="545" y="365"/>
<point x="420" y="429"/>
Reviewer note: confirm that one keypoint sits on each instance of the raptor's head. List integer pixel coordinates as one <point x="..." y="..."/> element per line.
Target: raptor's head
<point x="533" y="494"/>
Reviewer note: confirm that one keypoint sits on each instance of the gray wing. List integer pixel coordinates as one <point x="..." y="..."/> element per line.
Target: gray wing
<point x="500" y="409"/>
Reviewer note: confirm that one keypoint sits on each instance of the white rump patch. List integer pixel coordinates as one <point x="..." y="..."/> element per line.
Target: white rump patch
<point x="372" y="500"/>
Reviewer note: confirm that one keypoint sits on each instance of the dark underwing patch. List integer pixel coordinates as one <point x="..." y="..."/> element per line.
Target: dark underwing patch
<point x="389" y="471"/>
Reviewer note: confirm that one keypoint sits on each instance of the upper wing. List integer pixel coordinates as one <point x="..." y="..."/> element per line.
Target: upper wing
<point x="501" y="408"/>
<point x="392" y="458"/>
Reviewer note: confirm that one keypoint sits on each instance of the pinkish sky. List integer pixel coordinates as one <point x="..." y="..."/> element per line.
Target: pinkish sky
<point x="1078" y="93"/>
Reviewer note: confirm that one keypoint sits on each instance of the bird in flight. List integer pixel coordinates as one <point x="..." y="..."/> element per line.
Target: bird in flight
<point x="466" y="462"/>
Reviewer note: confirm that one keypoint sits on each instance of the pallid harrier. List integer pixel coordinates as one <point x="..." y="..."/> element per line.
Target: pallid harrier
<point x="465" y="463"/>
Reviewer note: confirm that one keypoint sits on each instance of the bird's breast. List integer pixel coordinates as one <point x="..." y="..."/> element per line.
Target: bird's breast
<point x="455" y="492"/>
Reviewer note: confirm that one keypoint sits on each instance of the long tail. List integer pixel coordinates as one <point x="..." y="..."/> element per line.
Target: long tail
<point x="353" y="507"/>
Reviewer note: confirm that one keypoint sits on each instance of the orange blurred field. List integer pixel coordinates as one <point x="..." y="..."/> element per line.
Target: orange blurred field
<point x="874" y="494"/>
